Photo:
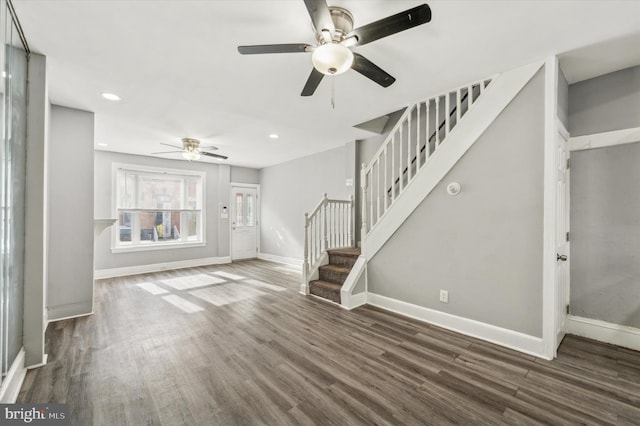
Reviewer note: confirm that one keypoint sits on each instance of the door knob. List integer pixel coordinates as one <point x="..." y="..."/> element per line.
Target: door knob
<point x="562" y="257"/>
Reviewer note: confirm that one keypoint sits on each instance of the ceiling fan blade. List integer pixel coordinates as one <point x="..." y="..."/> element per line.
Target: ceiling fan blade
<point x="320" y="16"/>
<point x="392" y="24"/>
<point x="211" y="154"/>
<point x="312" y="82"/>
<point x="210" y="148"/>
<point x="172" y="146"/>
<point x="166" y="152"/>
<point x="371" y="70"/>
<point x="275" y="48"/>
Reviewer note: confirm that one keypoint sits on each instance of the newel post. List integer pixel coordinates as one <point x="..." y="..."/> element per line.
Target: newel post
<point x="325" y="233"/>
<point x="363" y="186"/>
<point x="305" y="265"/>
<point x="352" y="219"/>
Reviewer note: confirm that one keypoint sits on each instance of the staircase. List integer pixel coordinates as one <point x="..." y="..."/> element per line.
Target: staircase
<point x="333" y="275"/>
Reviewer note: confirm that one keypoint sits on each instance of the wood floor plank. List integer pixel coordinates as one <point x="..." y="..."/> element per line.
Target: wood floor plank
<point x="257" y="352"/>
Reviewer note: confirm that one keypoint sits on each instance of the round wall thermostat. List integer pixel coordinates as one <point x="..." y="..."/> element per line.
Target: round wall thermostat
<point x="453" y="188"/>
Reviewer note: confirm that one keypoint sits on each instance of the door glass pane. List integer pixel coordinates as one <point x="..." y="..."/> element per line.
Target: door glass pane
<point x="13" y="192"/>
<point x="250" y="210"/>
<point x="239" y="209"/>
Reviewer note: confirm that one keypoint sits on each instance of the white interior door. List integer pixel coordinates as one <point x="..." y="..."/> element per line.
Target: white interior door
<point x="562" y="236"/>
<point x="244" y="222"/>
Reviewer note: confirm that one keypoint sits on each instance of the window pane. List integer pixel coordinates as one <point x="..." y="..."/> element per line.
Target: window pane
<point x="193" y="226"/>
<point x="159" y="226"/>
<point x="239" y="209"/>
<point x="194" y="192"/>
<point x="159" y="192"/>
<point x="124" y="220"/>
<point x="250" y="211"/>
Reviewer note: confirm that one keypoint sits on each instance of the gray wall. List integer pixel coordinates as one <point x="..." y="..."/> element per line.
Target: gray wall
<point x="36" y="212"/>
<point x="245" y="175"/>
<point x="485" y="245"/>
<point x="292" y="188"/>
<point x="605" y="103"/>
<point x="605" y="234"/>
<point x="70" y="182"/>
<point x="216" y="229"/>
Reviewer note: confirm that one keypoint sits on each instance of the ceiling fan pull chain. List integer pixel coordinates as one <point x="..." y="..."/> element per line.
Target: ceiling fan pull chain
<point x="333" y="93"/>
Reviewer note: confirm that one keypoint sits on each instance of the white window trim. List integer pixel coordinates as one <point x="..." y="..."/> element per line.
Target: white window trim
<point x="161" y="246"/>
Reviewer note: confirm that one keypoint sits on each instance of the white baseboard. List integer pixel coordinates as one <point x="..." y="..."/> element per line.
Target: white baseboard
<point x="13" y="381"/>
<point x="158" y="267"/>
<point x="281" y="259"/>
<point x="501" y="336"/>
<point x="71" y="310"/>
<point x="616" y="334"/>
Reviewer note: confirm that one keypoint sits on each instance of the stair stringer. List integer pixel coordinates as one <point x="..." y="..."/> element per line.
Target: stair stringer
<point x="358" y="272"/>
<point x="485" y="110"/>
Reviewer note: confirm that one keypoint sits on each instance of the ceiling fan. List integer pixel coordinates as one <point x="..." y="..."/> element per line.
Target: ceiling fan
<point x="335" y="36"/>
<point x="191" y="150"/>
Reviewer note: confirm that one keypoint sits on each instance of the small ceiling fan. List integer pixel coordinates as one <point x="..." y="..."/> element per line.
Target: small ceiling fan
<point x="191" y="150"/>
<point x="335" y="36"/>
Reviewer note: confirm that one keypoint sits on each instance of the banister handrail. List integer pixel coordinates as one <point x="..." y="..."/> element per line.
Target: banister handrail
<point x="329" y="225"/>
<point x="409" y="146"/>
<point x="393" y="130"/>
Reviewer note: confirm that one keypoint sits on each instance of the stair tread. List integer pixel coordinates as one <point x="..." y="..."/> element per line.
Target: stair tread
<point x="346" y="252"/>
<point x="336" y="268"/>
<point x="325" y="284"/>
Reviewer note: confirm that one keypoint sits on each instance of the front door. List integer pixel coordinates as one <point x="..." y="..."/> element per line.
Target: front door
<point x="562" y="236"/>
<point x="244" y="222"/>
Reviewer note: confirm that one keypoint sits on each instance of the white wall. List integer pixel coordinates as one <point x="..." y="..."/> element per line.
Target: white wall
<point x="245" y="175"/>
<point x="484" y="246"/>
<point x="605" y="234"/>
<point x="70" y="180"/>
<point x="290" y="189"/>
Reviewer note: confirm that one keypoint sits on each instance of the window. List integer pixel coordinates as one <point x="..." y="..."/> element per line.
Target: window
<point x="157" y="208"/>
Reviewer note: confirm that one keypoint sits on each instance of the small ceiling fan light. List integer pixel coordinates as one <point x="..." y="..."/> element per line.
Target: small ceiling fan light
<point x="332" y="58"/>
<point x="191" y="155"/>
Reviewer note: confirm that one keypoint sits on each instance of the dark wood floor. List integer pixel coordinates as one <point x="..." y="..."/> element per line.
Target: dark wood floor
<point x="202" y="347"/>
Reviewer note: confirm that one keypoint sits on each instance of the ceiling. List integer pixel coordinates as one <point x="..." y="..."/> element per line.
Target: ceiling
<point x="176" y="67"/>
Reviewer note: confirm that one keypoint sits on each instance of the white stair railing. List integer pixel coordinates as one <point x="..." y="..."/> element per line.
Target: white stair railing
<point x="329" y="226"/>
<point x="417" y="135"/>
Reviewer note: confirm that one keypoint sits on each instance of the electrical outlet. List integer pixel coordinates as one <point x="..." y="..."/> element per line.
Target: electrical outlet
<point x="444" y="296"/>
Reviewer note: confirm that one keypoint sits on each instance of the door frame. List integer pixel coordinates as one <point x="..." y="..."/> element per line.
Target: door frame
<point x="255" y="186"/>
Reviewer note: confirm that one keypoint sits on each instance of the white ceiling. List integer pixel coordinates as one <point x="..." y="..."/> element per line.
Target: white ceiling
<point x="176" y="67"/>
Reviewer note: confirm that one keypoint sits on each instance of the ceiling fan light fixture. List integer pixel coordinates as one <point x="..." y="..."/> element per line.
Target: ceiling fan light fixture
<point x="191" y="155"/>
<point x="332" y="58"/>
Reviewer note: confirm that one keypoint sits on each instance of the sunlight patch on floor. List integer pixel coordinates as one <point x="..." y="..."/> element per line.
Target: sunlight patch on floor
<point x="152" y="288"/>
<point x="185" y="305"/>
<point x="188" y="282"/>
<point x="229" y="275"/>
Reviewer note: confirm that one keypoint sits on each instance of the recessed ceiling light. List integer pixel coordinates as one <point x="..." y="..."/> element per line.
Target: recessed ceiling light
<point x="111" y="96"/>
<point x="102" y="144"/>
<point x="274" y="136"/>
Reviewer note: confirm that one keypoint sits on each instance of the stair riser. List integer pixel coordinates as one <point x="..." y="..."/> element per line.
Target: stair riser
<point x="333" y="277"/>
<point x="342" y="260"/>
<point x="325" y="293"/>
